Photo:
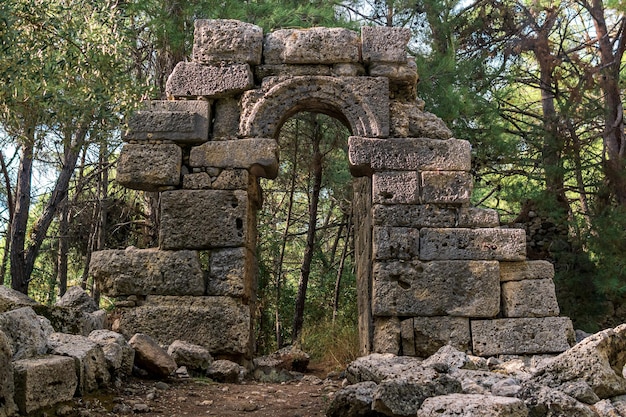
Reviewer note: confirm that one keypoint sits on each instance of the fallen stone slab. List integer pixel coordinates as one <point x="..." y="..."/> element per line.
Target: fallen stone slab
<point x="472" y="405"/>
<point x="11" y="299"/>
<point x="225" y="40"/>
<point x="544" y="401"/>
<point x="26" y="331"/>
<point x="151" y="357"/>
<point x="353" y="401"/>
<point x="225" y="371"/>
<point x="196" y="358"/>
<point x="44" y="381"/>
<point x="377" y="367"/>
<point x="119" y="355"/>
<point x="71" y="320"/>
<point x="76" y="297"/>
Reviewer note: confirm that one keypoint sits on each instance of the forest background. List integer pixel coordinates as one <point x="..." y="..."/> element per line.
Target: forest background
<point x="535" y="86"/>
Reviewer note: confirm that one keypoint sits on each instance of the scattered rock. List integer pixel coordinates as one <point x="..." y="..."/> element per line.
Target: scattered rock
<point x="151" y="357"/>
<point x="76" y="297"/>
<point x="472" y="405"/>
<point x="225" y="371"/>
<point x="194" y="357"/>
<point x="11" y="299"/>
<point x="27" y="332"/>
<point x="120" y="356"/>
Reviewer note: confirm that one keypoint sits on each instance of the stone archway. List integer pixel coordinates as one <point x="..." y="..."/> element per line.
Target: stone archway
<point x="431" y="269"/>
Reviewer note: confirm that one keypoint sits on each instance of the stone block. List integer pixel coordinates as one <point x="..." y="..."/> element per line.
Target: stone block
<point x="119" y="355"/>
<point x="384" y="44"/>
<point x="203" y="219"/>
<point x="408" y="119"/>
<point x="196" y="358"/>
<point x="415" y="216"/>
<point x="232" y="179"/>
<point x="149" y="167"/>
<point x="260" y="156"/>
<point x="43" y="381"/>
<point x="147" y="271"/>
<point x="263" y="71"/>
<point x="402" y="75"/>
<point x="220" y="324"/>
<point x="226" y="121"/>
<point x="367" y="155"/>
<point x="446" y="187"/>
<point x="472" y="405"/>
<point x="362" y="102"/>
<point x="399" y="187"/>
<point x="231" y="273"/>
<point x="7" y="387"/>
<point x="11" y="299"/>
<point x="518" y="271"/>
<point x="224" y="40"/>
<point x="478" y="244"/>
<point x="182" y="121"/>
<point x="77" y="298"/>
<point x="456" y="288"/>
<point x="191" y="79"/>
<point x="395" y="243"/>
<point x="316" y="45"/>
<point x="197" y="181"/>
<point x="473" y="217"/>
<point x="71" y="320"/>
<point x="347" y="70"/>
<point x="423" y="336"/>
<point x="386" y="335"/>
<point x="521" y="336"/>
<point x="151" y="357"/>
<point x="529" y="298"/>
<point x="89" y="361"/>
<point x="26" y="332"/>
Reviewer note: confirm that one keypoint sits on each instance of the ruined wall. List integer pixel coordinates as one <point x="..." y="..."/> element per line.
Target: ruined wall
<point x="431" y="270"/>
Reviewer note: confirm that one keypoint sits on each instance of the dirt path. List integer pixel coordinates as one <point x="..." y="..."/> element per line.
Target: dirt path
<point x="308" y="397"/>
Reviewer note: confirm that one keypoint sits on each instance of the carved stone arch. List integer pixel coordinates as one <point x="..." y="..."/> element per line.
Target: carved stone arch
<point x="361" y="103"/>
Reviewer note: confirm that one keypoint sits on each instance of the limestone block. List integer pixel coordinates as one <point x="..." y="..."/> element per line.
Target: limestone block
<point x="472" y="405"/>
<point x="119" y="355"/>
<point x="518" y="271"/>
<point x="226" y="120"/>
<point x="316" y="45"/>
<point x="486" y="244"/>
<point x="217" y="40"/>
<point x="26" y="332"/>
<point x="399" y="187"/>
<point x="220" y="324"/>
<point x="147" y="271"/>
<point x="378" y="367"/>
<point x="456" y="288"/>
<point x="446" y="187"/>
<point x="415" y="216"/>
<point x="197" y="181"/>
<point x="203" y="219"/>
<point x="71" y="320"/>
<point x="225" y="371"/>
<point x="352" y="400"/>
<point x="7" y="388"/>
<point x="529" y="298"/>
<point x="264" y="71"/>
<point x="194" y="357"/>
<point x="395" y="243"/>
<point x="152" y="357"/>
<point x="76" y="297"/>
<point x="403" y="75"/>
<point x="347" y="70"/>
<point x="11" y="299"/>
<point x="423" y="336"/>
<point x="384" y="44"/>
<point x="149" y="167"/>
<point x="474" y="217"/>
<point x="181" y="121"/>
<point x="520" y="336"/>
<point x="363" y="102"/>
<point x="367" y="155"/>
<point x="231" y="273"/>
<point x="232" y="179"/>
<point x="43" y="381"/>
<point x="191" y="79"/>
<point x="257" y="155"/>
<point x="408" y="119"/>
<point x="89" y="361"/>
<point x="386" y="335"/>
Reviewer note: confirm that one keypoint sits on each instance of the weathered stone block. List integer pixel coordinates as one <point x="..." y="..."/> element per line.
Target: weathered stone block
<point x="368" y="155"/>
<point x="384" y="44"/>
<point x="119" y="355"/>
<point x="520" y="336"/>
<point x="226" y="121"/>
<point x="345" y="69"/>
<point x="89" y="361"/>
<point x="529" y="298"/>
<point x="386" y="335"/>
<point x="43" y="381"/>
<point x="11" y="299"/>
<point x="487" y="244"/>
<point x="218" y="40"/>
<point x="446" y="187"/>
<point x="152" y="357"/>
<point x="183" y="121"/>
<point x="518" y="271"/>
<point x="395" y="243"/>
<point x="311" y="46"/>
<point x="147" y="271"/>
<point x="197" y="181"/>
<point x="257" y="155"/>
<point x="423" y="336"/>
<point x="71" y="320"/>
<point x="263" y="71"/>
<point x="456" y="288"/>
<point x="25" y="331"/>
<point x="473" y="217"/>
<point x="472" y="405"/>
<point x="191" y="79"/>
<point x="220" y="324"/>
<point x="232" y="179"/>
<point x="203" y="219"/>
<point x="416" y="216"/>
<point x="149" y="167"/>
<point x="408" y="119"/>
<point x="403" y="75"/>
<point x="363" y="102"/>
<point x="395" y="187"/>
<point x="7" y="387"/>
<point x="231" y="273"/>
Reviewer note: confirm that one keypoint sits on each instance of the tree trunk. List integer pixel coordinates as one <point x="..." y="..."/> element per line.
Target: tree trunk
<point x="305" y="270"/>
<point x="7" y="240"/>
<point x="342" y="260"/>
<point x="63" y="248"/>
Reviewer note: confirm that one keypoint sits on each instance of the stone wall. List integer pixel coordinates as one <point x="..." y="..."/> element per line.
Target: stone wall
<point x="431" y="269"/>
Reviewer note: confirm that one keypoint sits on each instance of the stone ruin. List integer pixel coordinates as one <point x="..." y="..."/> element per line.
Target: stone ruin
<point x="431" y="269"/>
